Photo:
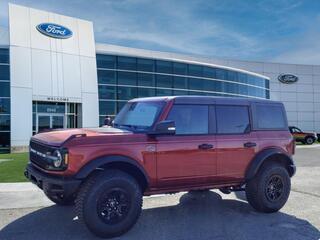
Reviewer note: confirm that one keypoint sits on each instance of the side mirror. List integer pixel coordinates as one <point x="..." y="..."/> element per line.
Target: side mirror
<point x="166" y="127"/>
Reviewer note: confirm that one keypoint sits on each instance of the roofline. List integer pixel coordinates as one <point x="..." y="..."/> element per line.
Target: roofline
<point x="137" y="52"/>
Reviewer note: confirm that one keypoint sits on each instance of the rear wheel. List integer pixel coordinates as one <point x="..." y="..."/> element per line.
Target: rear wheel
<point x="110" y="203"/>
<point x="269" y="190"/>
<point x="309" y="140"/>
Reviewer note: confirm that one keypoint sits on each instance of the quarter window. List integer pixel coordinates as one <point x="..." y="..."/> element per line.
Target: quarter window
<point x="270" y="117"/>
<point x="190" y="119"/>
<point x="232" y="119"/>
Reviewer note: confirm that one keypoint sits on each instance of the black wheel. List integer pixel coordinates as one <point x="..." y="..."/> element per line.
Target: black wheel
<point x="269" y="190"/>
<point x="109" y="203"/>
<point x="309" y="140"/>
<point x="59" y="199"/>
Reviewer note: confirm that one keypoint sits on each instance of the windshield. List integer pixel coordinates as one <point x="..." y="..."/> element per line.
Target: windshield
<point x="138" y="115"/>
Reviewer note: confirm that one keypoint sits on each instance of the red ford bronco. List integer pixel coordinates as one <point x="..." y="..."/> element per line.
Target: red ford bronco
<point x="166" y="145"/>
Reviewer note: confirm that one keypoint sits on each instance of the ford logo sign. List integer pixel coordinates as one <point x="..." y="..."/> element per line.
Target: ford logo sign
<point x="287" y="78"/>
<point x="54" y="30"/>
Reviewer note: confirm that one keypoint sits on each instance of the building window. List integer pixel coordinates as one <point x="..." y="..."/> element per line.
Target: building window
<point x="5" y="125"/>
<point x="106" y="61"/>
<point x="122" y="78"/>
<point x="106" y="77"/>
<point x="127" y="63"/>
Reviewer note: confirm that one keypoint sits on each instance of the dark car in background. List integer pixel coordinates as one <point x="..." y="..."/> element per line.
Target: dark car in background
<point x="303" y="137"/>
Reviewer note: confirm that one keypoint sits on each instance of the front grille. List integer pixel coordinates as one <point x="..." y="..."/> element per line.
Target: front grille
<point x="38" y="152"/>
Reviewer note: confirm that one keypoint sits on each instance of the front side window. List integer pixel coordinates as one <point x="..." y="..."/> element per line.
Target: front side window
<point x="270" y="117"/>
<point x="190" y="119"/>
<point x="138" y="115"/>
<point x="232" y="119"/>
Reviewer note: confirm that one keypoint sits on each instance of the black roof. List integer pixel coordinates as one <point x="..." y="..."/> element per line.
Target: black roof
<point x="189" y="99"/>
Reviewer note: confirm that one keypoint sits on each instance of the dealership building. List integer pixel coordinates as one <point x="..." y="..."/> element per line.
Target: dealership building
<point x="54" y="75"/>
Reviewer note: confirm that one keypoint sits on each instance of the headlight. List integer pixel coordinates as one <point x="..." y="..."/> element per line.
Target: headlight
<point x="57" y="159"/>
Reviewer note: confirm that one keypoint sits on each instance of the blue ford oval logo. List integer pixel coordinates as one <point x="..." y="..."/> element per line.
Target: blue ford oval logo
<point x="54" y="30"/>
<point x="287" y="78"/>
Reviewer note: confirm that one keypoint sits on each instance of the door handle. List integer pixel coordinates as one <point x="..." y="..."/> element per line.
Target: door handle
<point x="205" y="146"/>
<point x="249" y="144"/>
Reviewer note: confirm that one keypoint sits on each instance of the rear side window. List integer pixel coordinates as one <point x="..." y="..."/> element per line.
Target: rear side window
<point x="270" y="117"/>
<point x="232" y="119"/>
<point x="190" y="119"/>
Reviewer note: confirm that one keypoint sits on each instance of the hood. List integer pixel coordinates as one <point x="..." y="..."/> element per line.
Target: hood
<point x="59" y="137"/>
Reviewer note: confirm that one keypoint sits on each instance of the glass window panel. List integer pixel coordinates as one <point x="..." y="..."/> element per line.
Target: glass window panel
<point x="187" y="118"/>
<point x="221" y="74"/>
<point x="34" y="107"/>
<point x="128" y="63"/>
<point x="210" y="85"/>
<point x="243" y="89"/>
<point x="146" y="79"/>
<point x="101" y="120"/>
<point x="146" y="92"/>
<point x="34" y="122"/>
<point x="267" y="94"/>
<point x="107" y="107"/>
<point x="120" y="105"/>
<point x="196" y="84"/>
<point x="107" y="92"/>
<point x="4" y="105"/>
<point x="127" y="78"/>
<point x="106" y="61"/>
<point x="256" y="81"/>
<point x="242" y="78"/>
<point x="232" y="76"/>
<point x="195" y="70"/>
<point x="4" y="140"/>
<point x="4" y="55"/>
<point x="163" y="66"/>
<point x="146" y="65"/>
<point x="4" y="123"/>
<point x="4" y="72"/>
<point x="228" y="124"/>
<point x="49" y="107"/>
<point x="127" y="93"/>
<point x="164" y="92"/>
<point x="266" y="84"/>
<point x="4" y="89"/>
<point x="180" y="82"/>
<point x="180" y="68"/>
<point x="221" y="86"/>
<point x="107" y="76"/>
<point x="231" y="88"/>
<point x="209" y="72"/>
<point x="71" y="121"/>
<point x="180" y="93"/>
<point x="71" y="107"/>
<point x="270" y="117"/>
<point x="164" y="81"/>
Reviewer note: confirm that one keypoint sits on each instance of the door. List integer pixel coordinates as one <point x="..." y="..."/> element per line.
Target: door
<point x="189" y="157"/>
<point x="236" y="143"/>
<point x="46" y="122"/>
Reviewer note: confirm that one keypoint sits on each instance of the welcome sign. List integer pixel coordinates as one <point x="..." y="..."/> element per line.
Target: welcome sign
<point x="54" y="30"/>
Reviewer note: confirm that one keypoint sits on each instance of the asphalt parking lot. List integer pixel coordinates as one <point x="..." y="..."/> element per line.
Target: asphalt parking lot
<point x="209" y="215"/>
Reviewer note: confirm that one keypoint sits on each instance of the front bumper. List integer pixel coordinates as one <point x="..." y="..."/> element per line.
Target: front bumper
<point x="52" y="184"/>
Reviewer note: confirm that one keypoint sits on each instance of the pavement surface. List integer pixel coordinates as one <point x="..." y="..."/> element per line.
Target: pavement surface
<point x="25" y="213"/>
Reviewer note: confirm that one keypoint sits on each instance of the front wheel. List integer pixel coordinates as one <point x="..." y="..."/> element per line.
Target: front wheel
<point x="269" y="190"/>
<point x="110" y="203"/>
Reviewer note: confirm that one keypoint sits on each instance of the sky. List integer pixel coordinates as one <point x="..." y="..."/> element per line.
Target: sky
<point x="260" y="30"/>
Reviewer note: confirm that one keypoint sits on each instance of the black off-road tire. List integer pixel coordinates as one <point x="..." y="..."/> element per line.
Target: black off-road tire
<point x="309" y="140"/>
<point x="94" y="190"/>
<point x="259" y="190"/>
<point x="60" y="199"/>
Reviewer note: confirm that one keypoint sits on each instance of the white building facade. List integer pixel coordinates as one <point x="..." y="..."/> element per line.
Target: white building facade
<point x="54" y="75"/>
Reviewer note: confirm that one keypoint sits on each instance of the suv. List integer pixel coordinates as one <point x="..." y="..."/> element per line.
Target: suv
<point x="303" y="137"/>
<point x="166" y="145"/>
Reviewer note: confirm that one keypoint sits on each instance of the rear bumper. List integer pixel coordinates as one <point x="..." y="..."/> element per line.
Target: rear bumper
<point x="52" y="184"/>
